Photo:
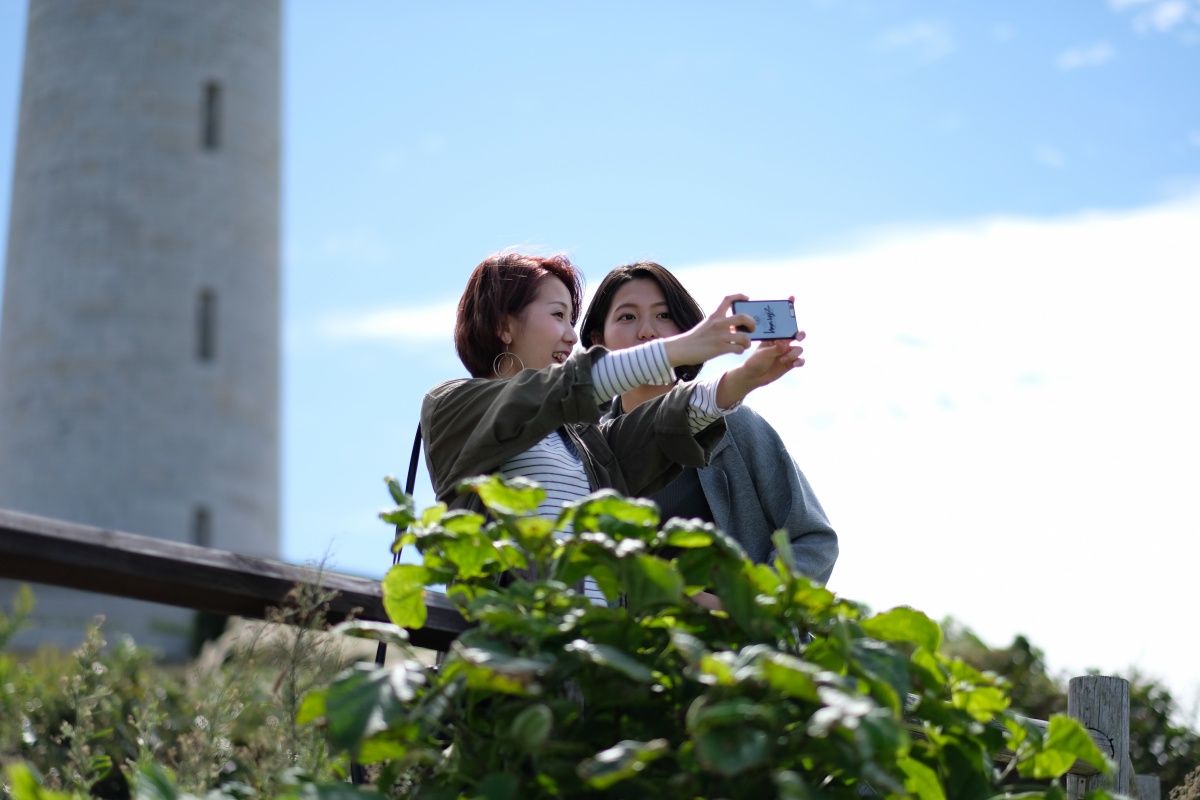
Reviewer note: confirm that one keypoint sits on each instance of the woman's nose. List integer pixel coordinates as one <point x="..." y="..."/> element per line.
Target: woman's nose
<point x="647" y="331"/>
<point x="572" y="337"/>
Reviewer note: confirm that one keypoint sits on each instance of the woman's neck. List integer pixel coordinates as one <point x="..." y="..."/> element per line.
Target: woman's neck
<point x="635" y="397"/>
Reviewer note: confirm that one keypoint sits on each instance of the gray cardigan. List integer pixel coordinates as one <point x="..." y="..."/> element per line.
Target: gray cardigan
<point x="754" y="488"/>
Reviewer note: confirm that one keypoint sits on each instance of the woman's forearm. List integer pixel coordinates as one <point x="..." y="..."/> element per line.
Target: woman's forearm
<point x="619" y="371"/>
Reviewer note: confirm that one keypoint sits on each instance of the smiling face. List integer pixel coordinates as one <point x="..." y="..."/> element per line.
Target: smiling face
<point x="542" y="334"/>
<point x="638" y="314"/>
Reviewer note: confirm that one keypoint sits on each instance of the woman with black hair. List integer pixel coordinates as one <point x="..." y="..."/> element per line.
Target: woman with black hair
<point x="752" y="487"/>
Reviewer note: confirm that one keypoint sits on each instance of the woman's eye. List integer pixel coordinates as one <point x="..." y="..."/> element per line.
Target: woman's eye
<point x="625" y="317"/>
<point x="665" y="315"/>
<point x="560" y="314"/>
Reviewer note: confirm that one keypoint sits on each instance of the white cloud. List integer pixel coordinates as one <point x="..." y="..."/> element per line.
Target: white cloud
<point x="924" y="40"/>
<point x="1050" y="156"/>
<point x="1158" y="15"/>
<point x="1005" y="403"/>
<point x="1169" y="14"/>
<point x="1092" y="55"/>
<point x="402" y="326"/>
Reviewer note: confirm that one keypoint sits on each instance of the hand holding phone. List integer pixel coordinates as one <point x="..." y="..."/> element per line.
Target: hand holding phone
<point x="773" y="319"/>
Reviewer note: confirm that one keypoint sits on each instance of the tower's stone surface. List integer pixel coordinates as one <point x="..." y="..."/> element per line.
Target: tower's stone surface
<point x="139" y="338"/>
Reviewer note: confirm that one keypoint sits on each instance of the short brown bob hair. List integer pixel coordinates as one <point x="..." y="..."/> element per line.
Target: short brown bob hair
<point x="502" y="286"/>
<point x="685" y="311"/>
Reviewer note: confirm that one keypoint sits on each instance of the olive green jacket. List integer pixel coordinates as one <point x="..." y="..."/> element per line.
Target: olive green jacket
<point x="473" y="426"/>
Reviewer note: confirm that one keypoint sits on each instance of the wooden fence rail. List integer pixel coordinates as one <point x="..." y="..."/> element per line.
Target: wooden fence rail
<point x="42" y="550"/>
<point x="50" y="551"/>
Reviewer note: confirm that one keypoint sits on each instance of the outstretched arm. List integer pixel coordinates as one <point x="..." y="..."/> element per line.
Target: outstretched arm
<point x="769" y="362"/>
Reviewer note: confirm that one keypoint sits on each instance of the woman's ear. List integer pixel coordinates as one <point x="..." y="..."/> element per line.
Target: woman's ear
<point x="597" y="338"/>
<point x="506" y="329"/>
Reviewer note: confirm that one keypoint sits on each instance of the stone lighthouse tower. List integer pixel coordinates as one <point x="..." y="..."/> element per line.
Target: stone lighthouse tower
<point x="139" y="338"/>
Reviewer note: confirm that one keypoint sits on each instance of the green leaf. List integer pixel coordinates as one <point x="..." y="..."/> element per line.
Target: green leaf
<point x="921" y="781"/>
<point x="365" y="699"/>
<point x="883" y="665"/>
<point x="607" y="581"/>
<point x="471" y="555"/>
<point x="532" y="727"/>
<point x="25" y="785"/>
<point x="313" y="707"/>
<point x="404" y="594"/>
<point x="499" y="786"/>
<point x="716" y="669"/>
<point x="686" y="536"/>
<point x="398" y="517"/>
<point x="155" y="783"/>
<point x="399" y="496"/>
<point x="928" y="669"/>
<point x="962" y="768"/>
<point x="703" y="714"/>
<point x="783" y="552"/>
<point x="489" y="665"/>
<point x="326" y="791"/>
<point x="791" y="675"/>
<point x="817" y="600"/>
<point x="766" y="580"/>
<point x="404" y="514"/>
<point x="623" y="760"/>
<point x="607" y="656"/>
<point x="608" y="512"/>
<point x="884" y="732"/>
<point x="1066" y="740"/>
<point x="690" y="647"/>
<point x="509" y="497"/>
<point x="376" y="631"/>
<point x="904" y="624"/>
<point x="789" y="785"/>
<point x="433" y="515"/>
<point x="535" y="529"/>
<point x="983" y="703"/>
<point x="649" y="582"/>
<point x="733" y="750"/>
<point x="461" y="522"/>
<point x="739" y="594"/>
<point x="841" y="710"/>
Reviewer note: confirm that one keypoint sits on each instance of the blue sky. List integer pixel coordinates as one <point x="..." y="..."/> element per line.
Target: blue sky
<point x="988" y="213"/>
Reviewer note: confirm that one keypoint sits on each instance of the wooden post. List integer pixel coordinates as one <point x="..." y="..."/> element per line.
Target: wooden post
<point x="1101" y="704"/>
<point x="1146" y="787"/>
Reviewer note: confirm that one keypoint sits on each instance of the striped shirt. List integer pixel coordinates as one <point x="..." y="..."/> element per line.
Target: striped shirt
<point x="555" y="463"/>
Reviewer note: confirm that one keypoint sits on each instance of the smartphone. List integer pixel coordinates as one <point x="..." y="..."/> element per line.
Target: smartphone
<point x="773" y="319"/>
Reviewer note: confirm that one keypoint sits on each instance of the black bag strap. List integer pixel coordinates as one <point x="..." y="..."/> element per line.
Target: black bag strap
<point x="409" y="485"/>
<point x="358" y="775"/>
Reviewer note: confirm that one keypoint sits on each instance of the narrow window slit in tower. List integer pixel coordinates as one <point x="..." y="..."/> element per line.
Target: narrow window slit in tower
<point x="201" y="527"/>
<point x="206" y="325"/>
<point x="211" y="125"/>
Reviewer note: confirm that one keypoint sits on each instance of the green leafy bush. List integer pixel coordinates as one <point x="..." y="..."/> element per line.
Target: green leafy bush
<point x="1163" y="740"/>
<point x="106" y="721"/>
<point x="790" y="691"/>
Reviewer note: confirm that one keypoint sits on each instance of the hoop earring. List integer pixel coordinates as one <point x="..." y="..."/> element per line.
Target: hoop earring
<point x="508" y="361"/>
